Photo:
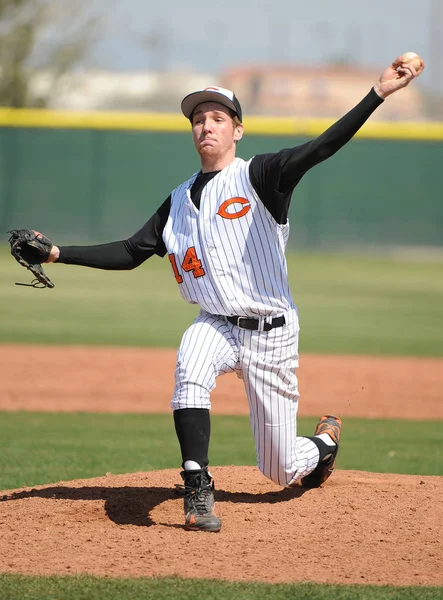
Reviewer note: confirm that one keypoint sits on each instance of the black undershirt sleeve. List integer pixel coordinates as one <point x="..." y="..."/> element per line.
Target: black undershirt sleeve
<point x="124" y="254"/>
<point x="274" y="176"/>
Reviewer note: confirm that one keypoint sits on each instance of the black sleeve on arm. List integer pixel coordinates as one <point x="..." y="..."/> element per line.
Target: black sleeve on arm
<point x="274" y="176"/>
<point x="124" y="254"/>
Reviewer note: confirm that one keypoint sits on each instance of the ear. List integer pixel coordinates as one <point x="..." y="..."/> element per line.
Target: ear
<point x="238" y="132"/>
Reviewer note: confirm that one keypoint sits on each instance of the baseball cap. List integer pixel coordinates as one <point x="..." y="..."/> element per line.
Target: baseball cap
<point x="211" y="94"/>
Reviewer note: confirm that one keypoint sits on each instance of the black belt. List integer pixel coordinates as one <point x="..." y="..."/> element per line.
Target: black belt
<point x="254" y="324"/>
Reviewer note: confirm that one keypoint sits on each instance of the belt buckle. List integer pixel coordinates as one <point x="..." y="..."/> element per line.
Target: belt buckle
<point x="238" y="322"/>
<point x="266" y="323"/>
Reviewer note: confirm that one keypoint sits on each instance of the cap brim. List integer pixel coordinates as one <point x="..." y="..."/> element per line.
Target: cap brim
<point x="190" y="102"/>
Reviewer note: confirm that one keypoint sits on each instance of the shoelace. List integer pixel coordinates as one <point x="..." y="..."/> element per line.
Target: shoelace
<point x="198" y="499"/>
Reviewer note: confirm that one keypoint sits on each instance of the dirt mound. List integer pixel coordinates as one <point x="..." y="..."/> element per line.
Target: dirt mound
<point x="359" y="528"/>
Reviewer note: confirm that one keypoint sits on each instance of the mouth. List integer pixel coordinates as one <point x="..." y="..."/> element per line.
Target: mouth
<point x="207" y="141"/>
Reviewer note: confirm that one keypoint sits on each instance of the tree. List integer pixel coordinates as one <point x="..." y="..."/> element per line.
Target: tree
<point x="40" y="34"/>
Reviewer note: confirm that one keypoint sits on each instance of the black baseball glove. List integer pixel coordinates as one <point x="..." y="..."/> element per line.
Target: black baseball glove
<point x="31" y="248"/>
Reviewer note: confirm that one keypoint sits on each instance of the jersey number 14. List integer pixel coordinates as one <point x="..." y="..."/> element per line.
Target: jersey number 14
<point x="190" y="263"/>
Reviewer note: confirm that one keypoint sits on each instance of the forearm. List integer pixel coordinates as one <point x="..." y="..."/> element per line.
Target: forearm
<point x="113" y="256"/>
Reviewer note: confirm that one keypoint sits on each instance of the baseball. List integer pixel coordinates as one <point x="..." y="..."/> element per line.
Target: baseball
<point x="412" y="57"/>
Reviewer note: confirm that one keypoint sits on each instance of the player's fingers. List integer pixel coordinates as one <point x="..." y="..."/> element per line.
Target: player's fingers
<point x="409" y="67"/>
<point x="407" y="70"/>
<point x="397" y="62"/>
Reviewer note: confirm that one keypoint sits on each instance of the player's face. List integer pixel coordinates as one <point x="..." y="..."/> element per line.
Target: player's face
<point x="213" y="130"/>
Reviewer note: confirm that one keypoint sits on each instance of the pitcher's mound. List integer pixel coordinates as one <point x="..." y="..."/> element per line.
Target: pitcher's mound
<point x="359" y="528"/>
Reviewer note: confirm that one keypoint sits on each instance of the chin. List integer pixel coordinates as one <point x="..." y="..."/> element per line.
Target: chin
<point x="207" y="151"/>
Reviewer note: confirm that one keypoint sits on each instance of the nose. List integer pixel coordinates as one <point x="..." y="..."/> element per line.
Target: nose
<point x="207" y="126"/>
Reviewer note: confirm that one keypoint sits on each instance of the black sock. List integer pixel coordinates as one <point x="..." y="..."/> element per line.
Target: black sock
<point x="193" y="428"/>
<point x="323" y="448"/>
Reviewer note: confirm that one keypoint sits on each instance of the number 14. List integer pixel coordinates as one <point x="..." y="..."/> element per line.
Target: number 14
<point x="190" y="263"/>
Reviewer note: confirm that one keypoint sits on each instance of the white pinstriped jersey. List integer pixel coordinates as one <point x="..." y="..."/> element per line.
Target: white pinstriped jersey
<point x="229" y="256"/>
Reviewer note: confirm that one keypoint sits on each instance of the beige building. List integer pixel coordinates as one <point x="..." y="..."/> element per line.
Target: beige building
<point x="316" y="92"/>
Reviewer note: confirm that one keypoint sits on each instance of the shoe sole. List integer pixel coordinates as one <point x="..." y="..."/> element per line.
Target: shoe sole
<point x="333" y="430"/>
<point x="203" y="526"/>
<point x="211" y="528"/>
<point x="210" y="523"/>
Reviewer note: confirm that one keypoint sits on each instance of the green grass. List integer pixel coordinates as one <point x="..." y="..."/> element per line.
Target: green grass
<point x="347" y="304"/>
<point x="19" y="587"/>
<point x="40" y="448"/>
<point x="358" y="304"/>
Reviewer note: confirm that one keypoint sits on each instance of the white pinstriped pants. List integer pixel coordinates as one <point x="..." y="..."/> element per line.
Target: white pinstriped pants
<point x="266" y="361"/>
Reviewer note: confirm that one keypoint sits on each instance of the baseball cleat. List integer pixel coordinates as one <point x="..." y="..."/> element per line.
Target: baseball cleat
<point x="332" y="426"/>
<point x="199" y="501"/>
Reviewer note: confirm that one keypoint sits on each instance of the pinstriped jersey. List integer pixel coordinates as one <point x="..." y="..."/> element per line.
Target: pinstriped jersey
<point x="229" y="255"/>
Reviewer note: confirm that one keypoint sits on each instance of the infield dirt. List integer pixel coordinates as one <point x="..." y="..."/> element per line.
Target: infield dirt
<point x="358" y="528"/>
<point x="141" y="380"/>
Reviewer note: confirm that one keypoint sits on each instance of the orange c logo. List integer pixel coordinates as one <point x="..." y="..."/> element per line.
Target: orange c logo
<point x="223" y="212"/>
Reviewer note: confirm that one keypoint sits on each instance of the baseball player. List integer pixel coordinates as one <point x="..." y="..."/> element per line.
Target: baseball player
<point x="224" y="231"/>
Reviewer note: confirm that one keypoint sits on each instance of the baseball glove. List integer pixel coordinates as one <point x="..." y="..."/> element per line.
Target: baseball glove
<point x="30" y="248"/>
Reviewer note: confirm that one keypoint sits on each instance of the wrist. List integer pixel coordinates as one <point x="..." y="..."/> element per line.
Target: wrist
<point x="380" y="93"/>
<point x="53" y="255"/>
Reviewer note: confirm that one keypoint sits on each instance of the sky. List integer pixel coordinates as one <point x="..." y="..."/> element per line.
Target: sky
<point x="207" y="37"/>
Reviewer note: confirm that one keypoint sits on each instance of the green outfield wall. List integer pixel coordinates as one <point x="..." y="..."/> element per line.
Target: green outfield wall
<point x="82" y="177"/>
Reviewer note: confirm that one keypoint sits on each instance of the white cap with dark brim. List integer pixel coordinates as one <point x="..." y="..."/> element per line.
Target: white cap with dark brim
<point x="211" y="94"/>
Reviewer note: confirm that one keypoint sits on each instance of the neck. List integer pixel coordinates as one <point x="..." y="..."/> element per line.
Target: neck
<point x="209" y="164"/>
